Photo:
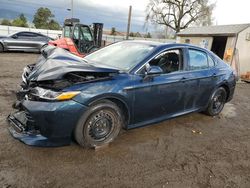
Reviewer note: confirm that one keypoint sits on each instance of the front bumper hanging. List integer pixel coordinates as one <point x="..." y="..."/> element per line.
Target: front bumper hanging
<point x="40" y="123"/>
<point x="23" y="129"/>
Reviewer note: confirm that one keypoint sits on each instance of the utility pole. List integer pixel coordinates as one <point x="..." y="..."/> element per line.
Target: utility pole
<point x="129" y="20"/>
<point x="71" y="8"/>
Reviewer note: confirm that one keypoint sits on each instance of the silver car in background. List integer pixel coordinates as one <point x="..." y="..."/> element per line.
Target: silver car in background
<point x="24" y="41"/>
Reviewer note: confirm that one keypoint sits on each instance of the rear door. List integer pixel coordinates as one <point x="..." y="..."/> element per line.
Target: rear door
<point x="201" y="70"/>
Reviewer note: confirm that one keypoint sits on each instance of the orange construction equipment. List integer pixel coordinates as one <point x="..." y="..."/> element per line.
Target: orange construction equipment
<point x="78" y="38"/>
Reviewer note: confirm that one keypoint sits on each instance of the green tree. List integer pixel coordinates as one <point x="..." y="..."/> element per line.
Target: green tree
<point x="113" y="31"/>
<point x="20" y="21"/>
<point x="43" y="19"/>
<point x="131" y="34"/>
<point x="53" y="25"/>
<point x="148" y="35"/>
<point x="137" y="34"/>
<point x="23" y="18"/>
<point x="6" y="22"/>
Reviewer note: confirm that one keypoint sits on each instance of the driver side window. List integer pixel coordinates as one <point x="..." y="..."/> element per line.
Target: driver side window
<point x="169" y="61"/>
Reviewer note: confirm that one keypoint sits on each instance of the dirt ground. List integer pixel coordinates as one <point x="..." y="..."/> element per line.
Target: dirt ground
<point x="190" y="151"/>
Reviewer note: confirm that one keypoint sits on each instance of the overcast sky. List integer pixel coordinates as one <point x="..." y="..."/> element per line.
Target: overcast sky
<point x="113" y="13"/>
<point x="232" y="12"/>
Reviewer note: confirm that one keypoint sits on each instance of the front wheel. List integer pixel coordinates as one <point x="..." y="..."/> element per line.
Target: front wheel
<point x="217" y="102"/>
<point x="99" y="125"/>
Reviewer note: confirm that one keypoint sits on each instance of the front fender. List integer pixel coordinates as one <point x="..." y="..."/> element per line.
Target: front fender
<point x="90" y="99"/>
<point x="114" y="97"/>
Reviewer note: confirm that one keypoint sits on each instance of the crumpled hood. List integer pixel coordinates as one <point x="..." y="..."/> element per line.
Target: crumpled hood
<point x="54" y="63"/>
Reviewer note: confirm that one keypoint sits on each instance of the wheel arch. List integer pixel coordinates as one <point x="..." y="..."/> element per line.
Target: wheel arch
<point x="119" y="101"/>
<point x="226" y="87"/>
<point x="1" y="43"/>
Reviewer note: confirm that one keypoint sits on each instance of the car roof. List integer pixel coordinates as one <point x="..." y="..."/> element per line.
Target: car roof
<point x="163" y="45"/>
<point x="151" y="43"/>
<point x="28" y="32"/>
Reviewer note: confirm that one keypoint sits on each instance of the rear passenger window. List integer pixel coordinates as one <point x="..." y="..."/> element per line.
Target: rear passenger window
<point x="210" y="62"/>
<point x="197" y="60"/>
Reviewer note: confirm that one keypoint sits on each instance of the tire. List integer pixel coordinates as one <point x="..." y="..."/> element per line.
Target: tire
<point x="1" y="48"/>
<point x="99" y="125"/>
<point x="217" y="102"/>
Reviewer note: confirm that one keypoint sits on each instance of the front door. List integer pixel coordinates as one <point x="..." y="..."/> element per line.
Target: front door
<point x="164" y="95"/>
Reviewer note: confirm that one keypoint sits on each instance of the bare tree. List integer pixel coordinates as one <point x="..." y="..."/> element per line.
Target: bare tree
<point x="179" y="14"/>
<point x="207" y="19"/>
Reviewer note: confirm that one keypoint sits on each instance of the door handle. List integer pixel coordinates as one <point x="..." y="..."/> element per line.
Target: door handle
<point x="183" y="79"/>
<point x="214" y="74"/>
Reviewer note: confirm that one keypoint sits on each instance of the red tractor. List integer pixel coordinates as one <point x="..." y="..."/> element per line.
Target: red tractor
<point x="79" y="38"/>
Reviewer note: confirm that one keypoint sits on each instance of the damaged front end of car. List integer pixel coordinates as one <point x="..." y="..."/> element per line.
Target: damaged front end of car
<point x="57" y="69"/>
<point x="45" y="117"/>
<point x="46" y="110"/>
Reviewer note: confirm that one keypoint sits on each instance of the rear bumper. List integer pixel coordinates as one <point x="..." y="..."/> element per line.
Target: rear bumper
<point x="46" y="124"/>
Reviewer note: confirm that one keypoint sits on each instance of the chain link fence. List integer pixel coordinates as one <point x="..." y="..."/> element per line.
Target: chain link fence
<point x="7" y="30"/>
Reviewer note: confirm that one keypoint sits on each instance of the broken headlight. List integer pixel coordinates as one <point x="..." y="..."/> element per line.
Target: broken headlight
<point x="52" y="95"/>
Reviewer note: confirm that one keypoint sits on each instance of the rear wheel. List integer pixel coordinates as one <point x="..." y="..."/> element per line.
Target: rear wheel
<point x="99" y="125"/>
<point x="217" y="102"/>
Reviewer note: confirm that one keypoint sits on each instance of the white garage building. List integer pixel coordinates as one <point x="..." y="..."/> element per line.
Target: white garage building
<point x="229" y="42"/>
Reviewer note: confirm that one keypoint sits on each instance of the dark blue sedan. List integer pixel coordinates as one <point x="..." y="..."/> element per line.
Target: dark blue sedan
<point x="124" y="85"/>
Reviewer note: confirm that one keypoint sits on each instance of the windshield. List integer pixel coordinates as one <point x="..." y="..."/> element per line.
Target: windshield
<point x="85" y="34"/>
<point x="122" y="56"/>
<point x="12" y="34"/>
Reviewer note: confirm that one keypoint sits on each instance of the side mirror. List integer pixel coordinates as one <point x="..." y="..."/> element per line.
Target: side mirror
<point x="14" y="36"/>
<point x="153" y="70"/>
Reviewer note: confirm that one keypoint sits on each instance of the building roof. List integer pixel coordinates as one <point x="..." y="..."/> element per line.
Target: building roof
<point x="218" y="30"/>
